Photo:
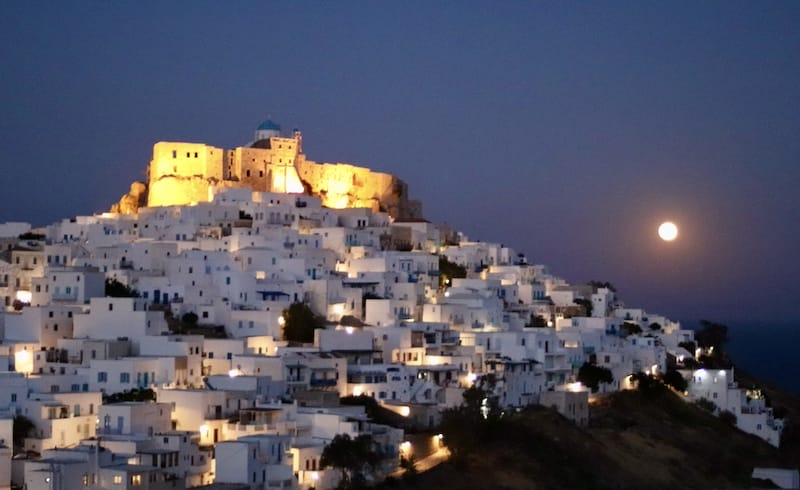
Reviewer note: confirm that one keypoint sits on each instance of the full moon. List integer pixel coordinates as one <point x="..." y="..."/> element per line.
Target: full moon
<point x="668" y="231"/>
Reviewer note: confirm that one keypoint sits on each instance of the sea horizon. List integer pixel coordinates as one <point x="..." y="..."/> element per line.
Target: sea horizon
<point x="766" y="351"/>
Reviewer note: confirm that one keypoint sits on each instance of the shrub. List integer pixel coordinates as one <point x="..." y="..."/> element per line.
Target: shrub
<point x="728" y="417"/>
<point x="674" y="379"/>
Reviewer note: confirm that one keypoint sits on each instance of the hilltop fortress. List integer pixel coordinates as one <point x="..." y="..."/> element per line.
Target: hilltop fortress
<point x="184" y="173"/>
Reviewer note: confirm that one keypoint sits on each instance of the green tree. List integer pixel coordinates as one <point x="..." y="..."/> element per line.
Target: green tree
<point x="466" y="427"/>
<point x="354" y="458"/>
<point x="728" y="417"/>
<point x="300" y="323"/>
<point x="449" y="270"/>
<point x="21" y="428"/>
<point x="586" y="303"/>
<point x="116" y="289"/>
<point x="602" y="284"/>
<point x="676" y="380"/>
<point x="689" y="346"/>
<point x="134" y="395"/>
<point x="537" y="321"/>
<point x="711" y="335"/>
<point x="189" y="319"/>
<point x="706" y="405"/>
<point x="409" y="466"/>
<point x="648" y="384"/>
<point x="591" y="376"/>
<point x="629" y="328"/>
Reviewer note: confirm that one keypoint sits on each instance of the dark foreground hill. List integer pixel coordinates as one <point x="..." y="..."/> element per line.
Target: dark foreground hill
<point x="635" y="440"/>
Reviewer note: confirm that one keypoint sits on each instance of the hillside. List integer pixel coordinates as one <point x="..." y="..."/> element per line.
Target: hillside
<point x="635" y="440"/>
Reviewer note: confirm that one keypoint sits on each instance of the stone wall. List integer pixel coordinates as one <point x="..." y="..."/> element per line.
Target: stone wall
<point x="342" y="185"/>
<point x="181" y="173"/>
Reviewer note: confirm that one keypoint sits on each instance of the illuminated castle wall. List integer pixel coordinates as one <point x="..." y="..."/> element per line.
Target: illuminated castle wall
<point x="182" y="173"/>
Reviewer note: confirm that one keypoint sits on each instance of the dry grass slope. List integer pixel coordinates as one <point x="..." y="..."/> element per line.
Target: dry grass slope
<point x="635" y="441"/>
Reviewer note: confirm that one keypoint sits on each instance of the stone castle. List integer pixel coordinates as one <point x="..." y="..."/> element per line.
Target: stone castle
<point x="185" y="173"/>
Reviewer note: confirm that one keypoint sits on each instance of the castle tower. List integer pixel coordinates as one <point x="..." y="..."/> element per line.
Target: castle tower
<point x="268" y="129"/>
<point x="299" y="137"/>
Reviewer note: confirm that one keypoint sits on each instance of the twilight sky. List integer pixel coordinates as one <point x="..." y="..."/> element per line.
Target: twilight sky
<point x="567" y="130"/>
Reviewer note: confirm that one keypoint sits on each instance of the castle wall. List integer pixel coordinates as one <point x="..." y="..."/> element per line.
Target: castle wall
<point x="250" y="167"/>
<point x="180" y="173"/>
<point x="186" y="160"/>
<point x="346" y="186"/>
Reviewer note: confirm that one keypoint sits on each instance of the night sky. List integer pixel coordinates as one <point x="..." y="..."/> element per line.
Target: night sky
<point x="567" y="130"/>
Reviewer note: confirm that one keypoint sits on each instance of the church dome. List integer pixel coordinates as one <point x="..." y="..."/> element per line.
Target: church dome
<point x="268" y="125"/>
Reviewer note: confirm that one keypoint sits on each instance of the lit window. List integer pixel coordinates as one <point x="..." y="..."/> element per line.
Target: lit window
<point x="136" y="480"/>
<point x="117" y="480"/>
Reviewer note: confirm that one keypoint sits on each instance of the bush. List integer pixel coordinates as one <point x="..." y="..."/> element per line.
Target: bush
<point x="134" y="395"/>
<point x="629" y="328"/>
<point x="449" y="270"/>
<point x="706" y="405"/>
<point x="676" y="380"/>
<point x="300" y="323"/>
<point x="116" y="289"/>
<point x="648" y="384"/>
<point x="190" y="319"/>
<point x="537" y="321"/>
<point x="591" y="376"/>
<point x="21" y="428"/>
<point x="728" y="417"/>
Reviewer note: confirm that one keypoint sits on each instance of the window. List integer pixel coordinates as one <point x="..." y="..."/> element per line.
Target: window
<point x="174" y="154"/>
<point x="102" y="377"/>
<point x="117" y="479"/>
<point x="136" y="480"/>
<point x="124" y="377"/>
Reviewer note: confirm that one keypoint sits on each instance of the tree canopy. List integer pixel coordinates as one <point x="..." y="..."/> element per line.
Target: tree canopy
<point x="676" y="380"/>
<point x="602" y="284"/>
<point x="586" y="303"/>
<point x="300" y="323"/>
<point x="116" y="289"/>
<point x="354" y="458"/>
<point x="21" y="428"/>
<point x="711" y="334"/>
<point x="537" y="321"/>
<point x="591" y="376"/>
<point x="468" y="426"/>
<point x="450" y="270"/>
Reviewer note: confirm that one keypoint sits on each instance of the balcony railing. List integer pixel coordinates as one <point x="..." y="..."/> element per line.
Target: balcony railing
<point x="322" y="382"/>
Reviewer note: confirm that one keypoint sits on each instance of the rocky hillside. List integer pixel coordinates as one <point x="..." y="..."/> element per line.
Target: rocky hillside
<point x="635" y="440"/>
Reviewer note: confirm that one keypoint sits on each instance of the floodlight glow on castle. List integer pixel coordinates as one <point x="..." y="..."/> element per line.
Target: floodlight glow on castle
<point x="183" y="173"/>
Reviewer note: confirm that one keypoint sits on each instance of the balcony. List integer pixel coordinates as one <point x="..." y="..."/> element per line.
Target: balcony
<point x="322" y="382"/>
<point x="71" y="296"/>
